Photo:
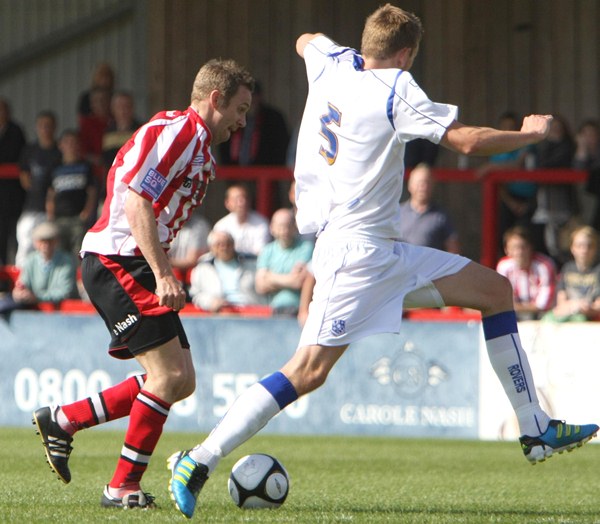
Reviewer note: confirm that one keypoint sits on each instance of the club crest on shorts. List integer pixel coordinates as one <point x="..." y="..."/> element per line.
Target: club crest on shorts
<point x="338" y="327"/>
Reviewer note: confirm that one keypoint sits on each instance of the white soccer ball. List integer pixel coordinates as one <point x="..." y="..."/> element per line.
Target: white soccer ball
<point x="258" y="481"/>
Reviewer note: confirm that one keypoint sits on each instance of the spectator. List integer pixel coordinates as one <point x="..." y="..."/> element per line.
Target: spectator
<point x="103" y="77"/>
<point x="122" y="126"/>
<point x="281" y="266"/>
<point x="71" y="198"/>
<point x="556" y="203"/>
<point x="517" y="199"/>
<point x="531" y="274"/>
<point x="37" y="162"/>
<point x="422" y="222"/>
<point x="189" y="245"/>
<point x="93" y="126"/>
<point x="12" y="141"/>
<point x="587" y="157"/>
<point x="249" y="229"/>
<point x="48" y="274"/>
<point x="223" y="277"/>
<point x="264" y="140"/>
<point x="578" y="289"/>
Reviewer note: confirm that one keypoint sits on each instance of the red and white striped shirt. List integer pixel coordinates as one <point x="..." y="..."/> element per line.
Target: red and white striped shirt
<point x="536" y="285"/>
<point x="167" y="161"/>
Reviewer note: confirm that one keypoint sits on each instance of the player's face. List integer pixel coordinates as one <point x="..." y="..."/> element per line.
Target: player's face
<point x="231" y="117"/>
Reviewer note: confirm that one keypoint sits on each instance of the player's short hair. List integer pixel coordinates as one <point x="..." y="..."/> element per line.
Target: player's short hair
<point x="225" y="76"/>
<point x="388" y="30"/>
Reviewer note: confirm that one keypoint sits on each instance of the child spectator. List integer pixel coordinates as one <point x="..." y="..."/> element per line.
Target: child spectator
<point x="281" y="266"/>
<point x="37" y="162"/>
<point x="71" y="198"/>
<point x="223" y="277"/>
<point x="532" y="274"/>
<point x="578" y="289"/>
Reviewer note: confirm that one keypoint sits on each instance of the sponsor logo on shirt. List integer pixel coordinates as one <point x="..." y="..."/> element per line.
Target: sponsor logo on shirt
<point x="153" y="183"/>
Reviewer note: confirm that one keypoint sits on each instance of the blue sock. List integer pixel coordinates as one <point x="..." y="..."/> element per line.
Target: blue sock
<point x="281" y="388"/>
<point x="499" y="324"/>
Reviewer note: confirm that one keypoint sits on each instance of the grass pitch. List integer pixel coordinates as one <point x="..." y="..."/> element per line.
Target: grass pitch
<point x="333" y="479"/>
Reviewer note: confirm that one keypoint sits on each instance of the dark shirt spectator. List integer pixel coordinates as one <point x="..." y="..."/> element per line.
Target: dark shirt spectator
<point x="264" y="140"/>
<point x="12" y="195"/>
<point x="422" y="222"/>
<point x="556" y="203"/>
<point x="587" y="157"/>
<point x="37" y="162"/>
<point x="72" y="194"/>
<point x="122" y="126"/>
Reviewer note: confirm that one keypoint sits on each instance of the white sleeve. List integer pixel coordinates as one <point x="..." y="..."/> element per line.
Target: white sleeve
<point x="415" y="116"/>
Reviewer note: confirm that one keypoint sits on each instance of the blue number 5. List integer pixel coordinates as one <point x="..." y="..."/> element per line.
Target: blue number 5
<point x="332" y="117"/>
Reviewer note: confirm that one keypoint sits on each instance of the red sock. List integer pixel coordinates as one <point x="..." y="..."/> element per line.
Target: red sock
<point x="112" y="403"/>
<point x="146" y="421"/>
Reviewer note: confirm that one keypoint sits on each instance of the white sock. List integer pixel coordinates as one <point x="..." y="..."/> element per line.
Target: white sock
<point x="512" y="368"/>
<point x="63" y="421"/>
<point x="249" y="414"/>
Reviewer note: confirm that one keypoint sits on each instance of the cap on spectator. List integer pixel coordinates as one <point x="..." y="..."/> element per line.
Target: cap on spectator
<point x="45" y="231"/>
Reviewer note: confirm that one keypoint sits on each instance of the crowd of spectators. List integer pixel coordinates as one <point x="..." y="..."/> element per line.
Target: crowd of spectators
<point x="547" y="251"/>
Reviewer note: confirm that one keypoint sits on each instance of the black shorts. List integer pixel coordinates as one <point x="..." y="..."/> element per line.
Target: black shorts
<point x="122" y="289"/>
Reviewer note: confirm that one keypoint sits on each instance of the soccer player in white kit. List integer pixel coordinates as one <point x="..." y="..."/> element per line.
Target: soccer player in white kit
<point x="360" y="113"/>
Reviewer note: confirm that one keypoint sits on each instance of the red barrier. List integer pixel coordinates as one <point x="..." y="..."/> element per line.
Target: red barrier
<point x="265" y="178"/>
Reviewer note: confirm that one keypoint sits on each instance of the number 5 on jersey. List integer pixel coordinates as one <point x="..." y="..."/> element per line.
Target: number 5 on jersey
<point x="334" y="116"/>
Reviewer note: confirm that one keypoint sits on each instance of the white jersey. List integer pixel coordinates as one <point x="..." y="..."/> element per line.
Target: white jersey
<point x="350" y="156"/>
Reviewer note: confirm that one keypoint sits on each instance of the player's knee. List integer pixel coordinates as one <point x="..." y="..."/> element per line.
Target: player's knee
<point x="498" y="294"/>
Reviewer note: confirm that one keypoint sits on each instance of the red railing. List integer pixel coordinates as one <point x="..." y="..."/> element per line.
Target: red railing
<point x="265" y="178"/>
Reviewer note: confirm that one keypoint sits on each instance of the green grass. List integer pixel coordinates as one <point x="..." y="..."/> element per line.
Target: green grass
<point x="333" y="479"/>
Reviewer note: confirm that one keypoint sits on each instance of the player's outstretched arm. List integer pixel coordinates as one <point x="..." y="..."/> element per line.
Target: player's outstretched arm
<point x="485" y="141"/>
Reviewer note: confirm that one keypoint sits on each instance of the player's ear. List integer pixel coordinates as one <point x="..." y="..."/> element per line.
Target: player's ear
<point x="215" y="99"/>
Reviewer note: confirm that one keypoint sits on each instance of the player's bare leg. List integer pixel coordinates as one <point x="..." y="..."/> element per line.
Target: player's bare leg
<point x="170" y="377"/>
<point x="478" y="287"/>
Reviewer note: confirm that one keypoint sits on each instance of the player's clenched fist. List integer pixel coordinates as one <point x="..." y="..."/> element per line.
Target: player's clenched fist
<point x="538" y="124"/>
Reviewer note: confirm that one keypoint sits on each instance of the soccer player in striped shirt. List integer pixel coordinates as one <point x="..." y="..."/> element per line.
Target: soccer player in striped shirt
<point x="360" y="112"/>
<point x="157" y="179"/>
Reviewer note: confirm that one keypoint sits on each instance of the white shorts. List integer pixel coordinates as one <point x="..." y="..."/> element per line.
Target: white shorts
<point x="363" y="285"/>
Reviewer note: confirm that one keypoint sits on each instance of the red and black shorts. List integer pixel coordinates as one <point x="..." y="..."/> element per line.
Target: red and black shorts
<point x="122" y="289"/>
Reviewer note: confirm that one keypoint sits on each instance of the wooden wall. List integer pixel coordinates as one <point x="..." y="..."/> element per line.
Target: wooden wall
<point x="486" y="56"/>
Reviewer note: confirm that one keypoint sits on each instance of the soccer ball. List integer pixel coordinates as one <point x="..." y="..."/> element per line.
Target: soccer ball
<point x="258" y="481"/>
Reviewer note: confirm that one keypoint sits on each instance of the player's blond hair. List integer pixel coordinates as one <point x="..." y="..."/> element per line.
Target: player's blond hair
<point x="225" y="76"/>
<point x="388" y="30"/>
